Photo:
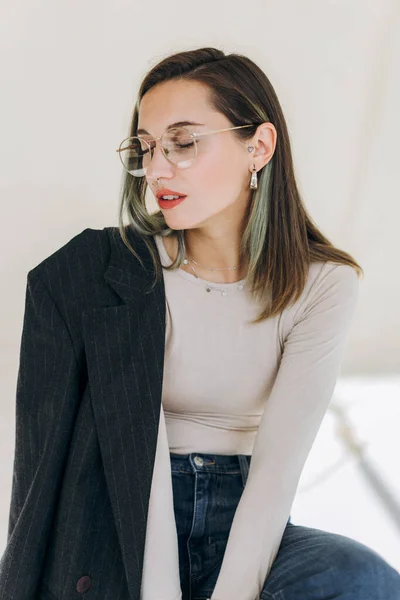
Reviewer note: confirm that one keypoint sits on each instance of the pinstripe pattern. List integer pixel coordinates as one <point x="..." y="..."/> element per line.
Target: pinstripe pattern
<point x="87" y="412"/>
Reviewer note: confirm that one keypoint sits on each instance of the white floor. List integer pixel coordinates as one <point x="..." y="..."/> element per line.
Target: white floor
<point x="334" y="493"/>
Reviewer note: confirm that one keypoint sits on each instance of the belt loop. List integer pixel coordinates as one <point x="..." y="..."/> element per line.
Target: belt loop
<point x="244" y="468"/>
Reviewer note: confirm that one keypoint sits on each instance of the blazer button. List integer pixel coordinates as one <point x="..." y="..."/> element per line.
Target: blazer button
<point x="84" y="584"/>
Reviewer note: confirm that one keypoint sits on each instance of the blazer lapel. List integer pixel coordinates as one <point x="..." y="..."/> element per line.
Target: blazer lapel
<point x="125" y="358"/>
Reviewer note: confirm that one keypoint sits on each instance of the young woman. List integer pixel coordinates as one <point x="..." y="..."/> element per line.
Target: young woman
<point x="174" y="371"/>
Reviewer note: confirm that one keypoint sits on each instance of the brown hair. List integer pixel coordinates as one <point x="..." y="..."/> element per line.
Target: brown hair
<point x="279" y="239"/>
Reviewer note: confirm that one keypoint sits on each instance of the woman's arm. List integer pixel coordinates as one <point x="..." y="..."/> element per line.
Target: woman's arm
<point x="293" y="413"/>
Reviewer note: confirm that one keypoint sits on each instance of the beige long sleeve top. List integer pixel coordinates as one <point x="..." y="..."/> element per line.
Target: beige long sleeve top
<point x="230" y="387"/>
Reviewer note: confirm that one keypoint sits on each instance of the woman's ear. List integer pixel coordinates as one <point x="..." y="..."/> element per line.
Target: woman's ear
<point x="264" y="142"/>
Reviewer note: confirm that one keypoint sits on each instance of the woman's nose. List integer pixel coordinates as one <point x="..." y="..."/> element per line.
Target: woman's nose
<point x="159" y="166"/>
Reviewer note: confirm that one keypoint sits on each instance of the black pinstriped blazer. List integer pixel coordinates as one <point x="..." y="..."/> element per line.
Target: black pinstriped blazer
<point x="87" y="411"/>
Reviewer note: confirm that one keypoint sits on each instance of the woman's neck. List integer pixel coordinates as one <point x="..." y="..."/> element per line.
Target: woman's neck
<point x="226" y="276"/>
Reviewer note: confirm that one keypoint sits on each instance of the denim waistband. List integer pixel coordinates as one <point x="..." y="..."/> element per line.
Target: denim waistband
<point x="229" y="464"/>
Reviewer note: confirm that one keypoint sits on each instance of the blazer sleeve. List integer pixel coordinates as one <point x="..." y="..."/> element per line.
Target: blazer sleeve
<point x="47" y="395"/>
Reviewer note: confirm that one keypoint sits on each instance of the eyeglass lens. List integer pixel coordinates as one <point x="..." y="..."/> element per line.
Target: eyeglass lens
<point x="178" y="145"/>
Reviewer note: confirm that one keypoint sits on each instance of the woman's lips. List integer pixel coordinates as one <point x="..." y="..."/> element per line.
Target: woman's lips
<point x="170" y="203"/>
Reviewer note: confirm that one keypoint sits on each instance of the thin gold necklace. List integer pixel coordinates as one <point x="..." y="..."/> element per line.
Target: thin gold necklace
<point x="208" y="285"/>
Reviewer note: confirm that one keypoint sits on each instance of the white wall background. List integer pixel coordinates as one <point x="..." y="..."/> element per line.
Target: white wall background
<point x="69" y="75"/>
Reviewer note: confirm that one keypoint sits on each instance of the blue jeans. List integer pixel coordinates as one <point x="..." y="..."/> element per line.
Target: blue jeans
<point x="311" y="564"/>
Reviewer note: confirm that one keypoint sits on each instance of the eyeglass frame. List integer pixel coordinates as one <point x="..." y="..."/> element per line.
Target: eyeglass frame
<point x="192" y="134"/>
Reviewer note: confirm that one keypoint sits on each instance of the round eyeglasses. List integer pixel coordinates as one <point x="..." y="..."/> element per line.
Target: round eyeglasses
<point x="178" y="145"/>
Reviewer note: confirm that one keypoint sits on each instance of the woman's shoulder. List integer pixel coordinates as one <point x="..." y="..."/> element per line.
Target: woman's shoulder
<point x="74" y="274"/>
<point x="328" y="284"/>
<point x="333" y="277"/>
<point x="78" y="272"/>
<point x="86" y="250"/>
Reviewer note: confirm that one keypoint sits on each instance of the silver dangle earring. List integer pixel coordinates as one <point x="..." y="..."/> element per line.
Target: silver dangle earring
<point x="253" y="180"/>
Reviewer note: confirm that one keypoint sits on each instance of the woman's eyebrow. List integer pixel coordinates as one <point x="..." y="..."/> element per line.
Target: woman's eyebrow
<point x="177" y="124"/>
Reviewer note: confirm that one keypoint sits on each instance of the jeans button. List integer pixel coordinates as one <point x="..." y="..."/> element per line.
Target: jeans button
<point x="198" y="461"/>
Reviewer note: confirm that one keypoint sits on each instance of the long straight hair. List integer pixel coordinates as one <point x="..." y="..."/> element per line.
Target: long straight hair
<point x="279" y="239"/>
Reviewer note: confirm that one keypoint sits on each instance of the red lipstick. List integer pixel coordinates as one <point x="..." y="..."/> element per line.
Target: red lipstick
<point x="172" y="202"/>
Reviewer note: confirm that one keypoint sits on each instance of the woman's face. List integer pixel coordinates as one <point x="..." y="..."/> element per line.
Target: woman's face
<point x="216" y="185"/>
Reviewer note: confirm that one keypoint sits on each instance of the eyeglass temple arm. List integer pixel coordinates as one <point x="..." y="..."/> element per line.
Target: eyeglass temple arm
<point x="201" y="134"/>
<point x="220" y="130"/>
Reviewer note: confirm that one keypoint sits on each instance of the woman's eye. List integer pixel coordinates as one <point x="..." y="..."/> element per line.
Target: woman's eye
<point x="185" y="145"/>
